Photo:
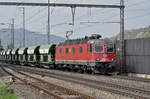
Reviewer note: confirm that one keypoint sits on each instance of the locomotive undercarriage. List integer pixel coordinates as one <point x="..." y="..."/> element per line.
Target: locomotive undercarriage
<point x="93" y="67"/>
<point x="104" y="68"/>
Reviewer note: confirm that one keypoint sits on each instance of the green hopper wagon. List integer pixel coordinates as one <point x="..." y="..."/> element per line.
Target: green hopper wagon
<point x="47" y="55"/>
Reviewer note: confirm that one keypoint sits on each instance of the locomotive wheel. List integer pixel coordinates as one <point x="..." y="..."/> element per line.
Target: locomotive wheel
<point x="81" y="71"/>
<point x="75" y="70"/>
<point x="92" y="72"/>
<point x="85" y="70"/>
<point x="68" y="69"/>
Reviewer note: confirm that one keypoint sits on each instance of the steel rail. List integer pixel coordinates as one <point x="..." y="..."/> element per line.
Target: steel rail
<point x="104" y="83"/>
<point x="58" y="87"/>
<point x="100" y="87"/>
<point x="32" y="85"/>
<point x="145" y="80"/>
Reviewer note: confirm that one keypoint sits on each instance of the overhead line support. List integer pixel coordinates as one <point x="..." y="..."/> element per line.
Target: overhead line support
<point x="73" y="9"/>
<point x="48" y="24"/>
<point x="13" y="43"/>
<point x="122" y="45"/>
<point x="61" y="5"/>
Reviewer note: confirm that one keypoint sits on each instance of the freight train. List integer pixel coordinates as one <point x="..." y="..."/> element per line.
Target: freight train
<point x="90" y="54"/>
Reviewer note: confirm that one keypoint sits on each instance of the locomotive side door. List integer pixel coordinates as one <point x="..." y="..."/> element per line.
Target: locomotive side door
<point x="90" y="52"/>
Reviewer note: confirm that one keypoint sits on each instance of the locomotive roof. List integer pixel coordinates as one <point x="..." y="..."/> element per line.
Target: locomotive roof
<point x="84" y="41"/>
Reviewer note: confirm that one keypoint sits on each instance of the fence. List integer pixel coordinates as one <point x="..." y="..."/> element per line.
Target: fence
<point x="137" y="53"/>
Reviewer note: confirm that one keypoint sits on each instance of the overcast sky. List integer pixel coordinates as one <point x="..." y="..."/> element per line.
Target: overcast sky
<point x="137" y="15"/>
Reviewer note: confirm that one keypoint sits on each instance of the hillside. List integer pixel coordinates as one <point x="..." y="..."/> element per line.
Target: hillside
<point x="32" y="38"/>
<point x="135" y="33"/>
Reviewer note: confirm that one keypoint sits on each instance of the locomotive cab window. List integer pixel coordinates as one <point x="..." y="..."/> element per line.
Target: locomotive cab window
<point x="98" y="48"/>
<point x="92" y="48"/>
<point x="60" y="50"/>
<point x="81" y="49"/>
<point x="67" y="50"/>
<point x="73" y="50"/>
<point x="110" y="48"/>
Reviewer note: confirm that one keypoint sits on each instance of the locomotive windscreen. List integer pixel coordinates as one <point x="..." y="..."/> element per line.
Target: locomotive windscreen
<point x="98" y="48"/>
<point x="110" y="48"/>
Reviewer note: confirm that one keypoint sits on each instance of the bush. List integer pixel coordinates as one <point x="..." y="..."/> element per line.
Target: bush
<point x="5" y="93"/>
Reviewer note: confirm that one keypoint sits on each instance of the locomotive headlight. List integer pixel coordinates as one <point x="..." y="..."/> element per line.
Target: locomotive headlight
<point x="104" y="55"/>
<point x="110" y="66"/>
<point x="97" y="59"/>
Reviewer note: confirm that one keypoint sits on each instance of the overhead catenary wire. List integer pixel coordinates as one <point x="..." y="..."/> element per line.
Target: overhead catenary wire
<point x="39" y="18"/>
<point x="138" y="16"/>
<point x="128" y="0"/>
<point x="28" y="20"/>
<point x="138" y="3"/>
<point x="65" y="22"/>
<point x="135" y="17"/>
<point x="113" y="16"/>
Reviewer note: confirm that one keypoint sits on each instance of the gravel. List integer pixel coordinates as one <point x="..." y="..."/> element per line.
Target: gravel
<point x="129" y="83"/>
<point x="83" y="89"/>
<point x="4" y="77"/>
<point x="87" y="90"/>
<point x="22" y="90"/>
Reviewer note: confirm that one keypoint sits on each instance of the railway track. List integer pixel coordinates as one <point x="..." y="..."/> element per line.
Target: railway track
<point x="109" y="87"/>
<point x="145" y="80"/>
<point x="58" y="92"/>
<point x="132" y="78"/>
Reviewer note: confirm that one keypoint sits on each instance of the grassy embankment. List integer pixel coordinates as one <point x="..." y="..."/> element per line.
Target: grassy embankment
<point x="6" y="94"/>
<point x="143" y="35"/>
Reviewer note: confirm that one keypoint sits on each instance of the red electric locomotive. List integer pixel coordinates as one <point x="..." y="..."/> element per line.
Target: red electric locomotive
<point x="90" y="54"/>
